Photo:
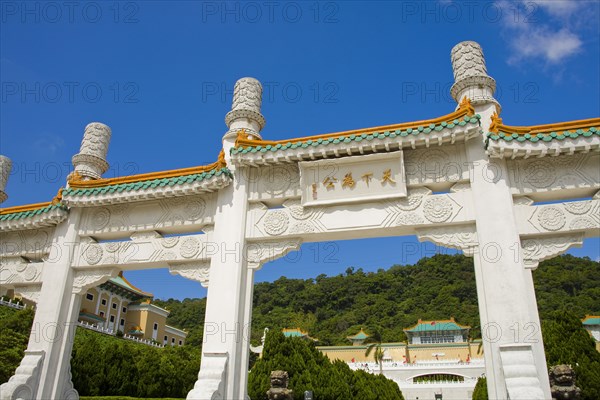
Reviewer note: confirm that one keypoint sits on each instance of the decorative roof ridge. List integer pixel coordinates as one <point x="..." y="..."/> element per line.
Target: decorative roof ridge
<point x="44" y="206"/>
<point x="498" y="126"/>
<point x="357" y="334"/>
<point x="75" y="181"/>
<point x="465" y="109"/>
<point x="131" y="286"/>
<point x="437" y="321"/>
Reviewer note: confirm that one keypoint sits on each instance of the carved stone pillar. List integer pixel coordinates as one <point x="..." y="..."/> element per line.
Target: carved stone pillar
<point x="512" y="340"/>
<point x="245" y="110"/>
<point x="470" y="75"/>
<point x="5" y="168"/>
<point x="91" y="162"/>
<point x="44" y="372"/>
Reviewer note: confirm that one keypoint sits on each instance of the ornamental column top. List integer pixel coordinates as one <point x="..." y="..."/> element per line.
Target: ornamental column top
<point x="5" y="168"/>
<point x="91" y="162"/>
<point x="470" y="74"/>
<point x="245" y="109"/>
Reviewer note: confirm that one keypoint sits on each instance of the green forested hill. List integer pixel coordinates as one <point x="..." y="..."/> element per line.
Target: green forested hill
<point x="331" y="308"/>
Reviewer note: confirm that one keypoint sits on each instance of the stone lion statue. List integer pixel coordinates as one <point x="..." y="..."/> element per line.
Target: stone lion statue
<point x="562" y="383"/>
<point x="279" y="384"/>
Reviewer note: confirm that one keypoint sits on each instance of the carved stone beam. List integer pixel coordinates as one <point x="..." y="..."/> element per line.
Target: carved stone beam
<point x="258" y="253"/>
<point x="196" y="271"/>
<point x="461" y="237"/>
<point x="540" y="249"/>
<point x="88" y="278"/>
<point x="145" y="250"/>
<point x="17" y="271"/>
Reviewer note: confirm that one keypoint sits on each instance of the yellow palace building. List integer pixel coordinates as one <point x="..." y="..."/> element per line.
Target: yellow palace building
<point x="117" y="305"/>
<point x="437" y="361"/>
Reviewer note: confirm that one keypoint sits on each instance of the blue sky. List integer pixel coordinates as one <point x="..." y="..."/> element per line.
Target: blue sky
<point x="160" y="74"/>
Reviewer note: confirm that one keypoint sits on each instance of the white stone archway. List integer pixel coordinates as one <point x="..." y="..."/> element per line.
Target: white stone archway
<point x="463" y="180"/>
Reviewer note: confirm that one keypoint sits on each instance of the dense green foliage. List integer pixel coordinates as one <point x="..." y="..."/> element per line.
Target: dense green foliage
<point x="309" y="369"/>
<point x="567" y="342"/>
<point x="105" y="365"/>
<point x="14" y="335"/>
<point x="331" y="308"/>
<point x="480" y="392"/>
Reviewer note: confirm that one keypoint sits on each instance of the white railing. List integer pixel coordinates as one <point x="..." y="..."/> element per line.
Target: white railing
<point x="143" y="341"/>
<point x="96" y="328"/>
<point x="419" y="364"/>
<point x="10" y="304"/>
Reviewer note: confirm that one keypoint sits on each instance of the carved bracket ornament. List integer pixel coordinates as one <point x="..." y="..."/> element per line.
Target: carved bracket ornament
<point x="259" y="253"/>
<point x="540" y="249"/>
<point x="17" y="271"/>
<point x="24" y="383"/>
<point x="461" y="237"/>
<point x="197" y="271"/>
<point x="211" y="378"/>
<point x="85" y="279"/>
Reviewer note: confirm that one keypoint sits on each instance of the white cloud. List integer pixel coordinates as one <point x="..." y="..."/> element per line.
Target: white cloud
<point x="543" y="30"/>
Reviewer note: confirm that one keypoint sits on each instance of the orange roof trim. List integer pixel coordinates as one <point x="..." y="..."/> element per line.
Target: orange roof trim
<point x="75" y="180"/>
<point x="465" y="108"/>
<point x="497" y="126"/>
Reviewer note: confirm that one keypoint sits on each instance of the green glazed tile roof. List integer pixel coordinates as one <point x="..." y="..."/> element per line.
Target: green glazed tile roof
<point x="147" y="184"/>
<point x="591" y="321"/>
<point x="31" y="213"/>
<point x="359" y="336"/>
<point x="436" y="326"/>
<point x="283" y="145"/>
<point x="542" y="137"/>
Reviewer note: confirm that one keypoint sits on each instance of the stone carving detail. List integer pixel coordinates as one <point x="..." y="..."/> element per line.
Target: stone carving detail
<point x="276" y="222"/>
<point x="100" y="218"/>
<point x="297" y="211"/>
<point x="520" y="372"/>
<point x="144" y="247"/>
<point x="461" y="237"/>
<point x="247" y="99"/>
<point x="578" y="207"/>
<point x="409" y="219"/>
<point x="468" y="66"/>
<point x="279" y="386"/>
<point x="194" y="209"/>
<point x="551" y="218"/>
<point x="261" y="252"/>
<point x="562" y="383"/>
<point x="536" y="250"/>
<point x="582" y="223"/>
<point x="437" y="209"/>
<point x="189" y="247"/>
<point x="169" y="242"/>
<point x="211" y="378"/>
<point x="24" y="383"/>
<point x="247" y="95"/>
<point x="17" y="270"/>
<point x="34" y="244"/>
<point x="5" y="168"/>
<point x="199" y="272"/>
<point x="91" y="160"/>
<point x="93" y="253"/>
<point x="467" y="60"/>
<point x="30" y="292"/>
<point x="87" y="278"/>
<point x="414" y="199"/>
<point x="548" y="173"/>
<point x="301" y="227"/>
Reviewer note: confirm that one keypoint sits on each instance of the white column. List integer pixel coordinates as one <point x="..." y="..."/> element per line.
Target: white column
<point x="510" y="326"/>
<point x="118" y="320"/>
<point x="50" y="342"/>
<point x="224" y="365"/>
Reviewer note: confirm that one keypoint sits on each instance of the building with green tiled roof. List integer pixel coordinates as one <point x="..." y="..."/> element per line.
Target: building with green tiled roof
<point x="439" y="331"/>
<point x="592" y="324"/>
<point x="359" y="338"/>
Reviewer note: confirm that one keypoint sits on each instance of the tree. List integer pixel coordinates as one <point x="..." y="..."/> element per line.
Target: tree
<point x="309" y="369"/>
<point x="375" y="347"/>
<point x="567" y="342"/>
<point x="480" y="392"/>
